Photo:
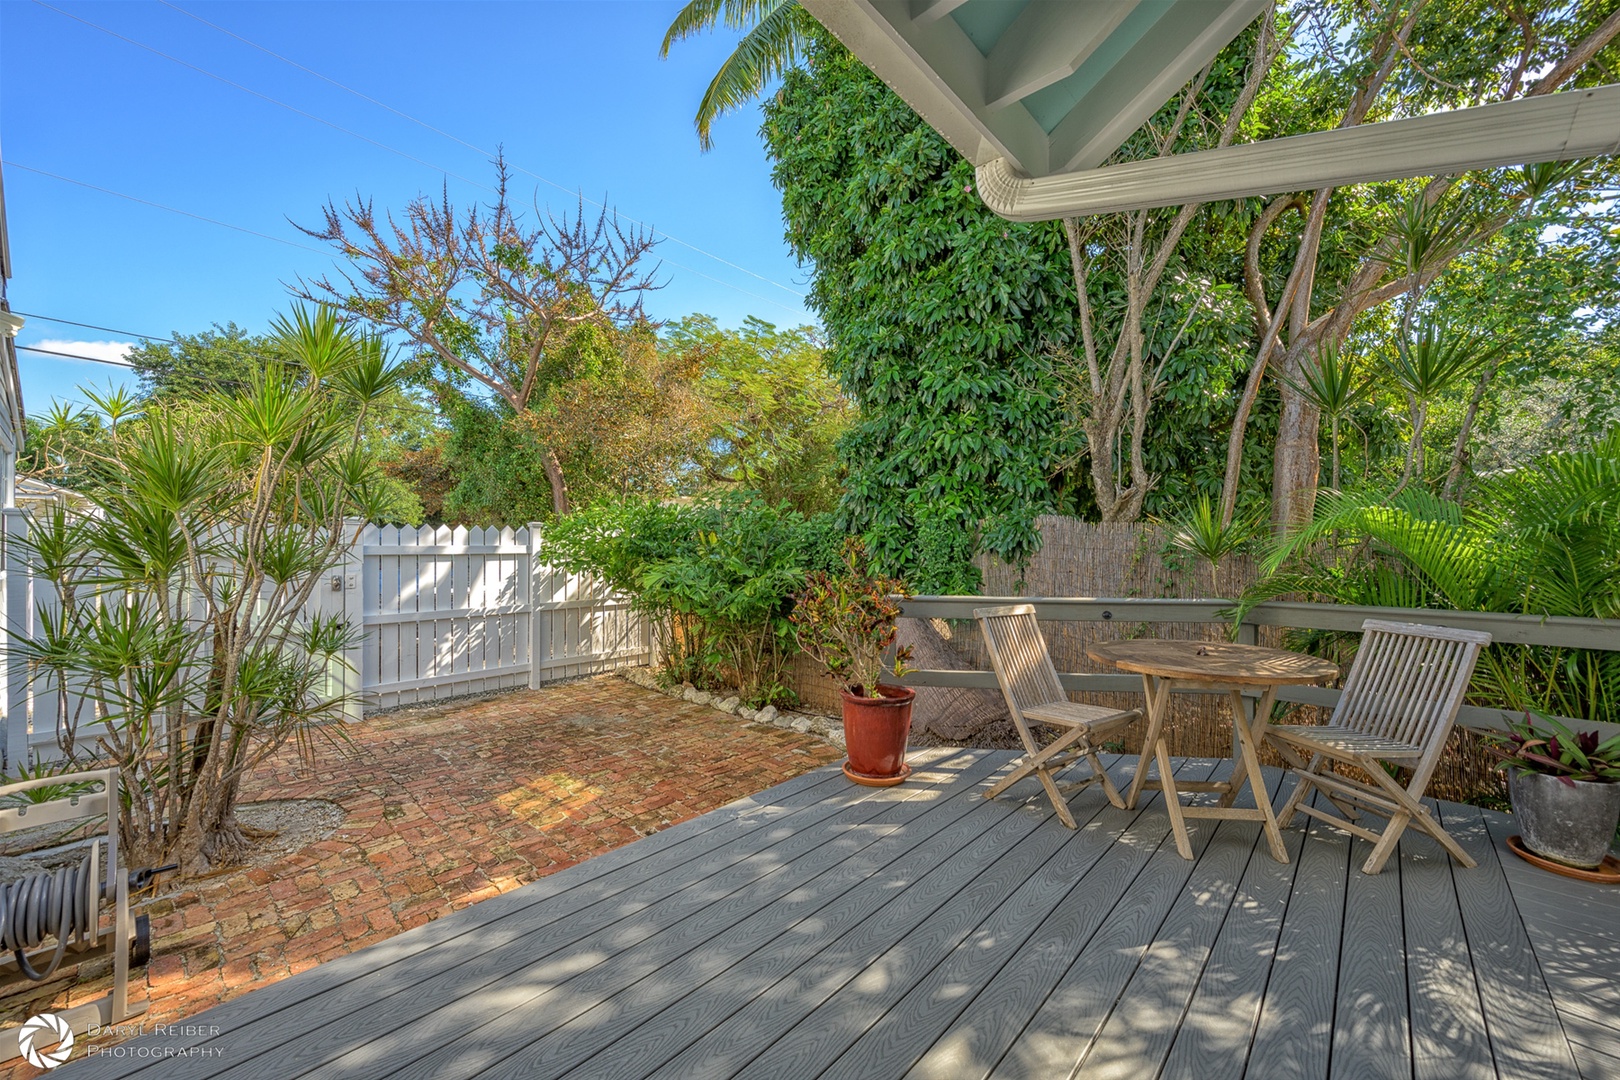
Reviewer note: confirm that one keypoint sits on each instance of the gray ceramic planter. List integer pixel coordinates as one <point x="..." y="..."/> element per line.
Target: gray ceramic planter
<point x="1570" y="823"/>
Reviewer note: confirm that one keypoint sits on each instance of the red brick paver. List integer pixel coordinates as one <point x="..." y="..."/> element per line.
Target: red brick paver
<point x="446" y="806"/>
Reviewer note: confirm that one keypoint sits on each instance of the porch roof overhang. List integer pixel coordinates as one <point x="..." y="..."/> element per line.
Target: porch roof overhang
<point x="1037" y="94"/>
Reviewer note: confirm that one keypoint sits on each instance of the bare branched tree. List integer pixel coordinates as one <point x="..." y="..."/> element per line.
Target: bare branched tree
<point x="1142" y="245"/>
<point x="482" y="294"/>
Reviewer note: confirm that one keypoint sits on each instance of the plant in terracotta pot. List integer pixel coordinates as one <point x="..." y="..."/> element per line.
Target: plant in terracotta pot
<point x="847" y="621"/>
<point x="1565" y="789"/>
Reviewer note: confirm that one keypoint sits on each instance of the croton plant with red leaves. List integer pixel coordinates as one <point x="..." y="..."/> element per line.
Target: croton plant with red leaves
<point x="847" y="622"/>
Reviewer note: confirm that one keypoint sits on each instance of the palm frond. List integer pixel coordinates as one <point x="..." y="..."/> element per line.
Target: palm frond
<point x="776" y="34"/>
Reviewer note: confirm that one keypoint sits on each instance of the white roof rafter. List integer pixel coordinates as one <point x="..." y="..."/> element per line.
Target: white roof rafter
<point x="1037" y="94"/>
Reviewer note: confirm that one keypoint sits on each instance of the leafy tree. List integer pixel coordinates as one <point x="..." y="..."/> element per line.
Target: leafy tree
<point x="492" y="303"/>
<point x="776" y="412"/>
<point x="1334" y="385"/>
<point x="936" y="312"/>
<point x="61" y="445"/>
<point x="619" y="415"/>
<point x="1143" y="282"/>
<point x="1436" y="358"/>
<point x="1568" y="401"/>
<point x="1310" y="275"/>
<point x="429" y="475"/>
<point x="190" y="366"/>
<point x="959" y="336"/>
<point x="184" y="595"/>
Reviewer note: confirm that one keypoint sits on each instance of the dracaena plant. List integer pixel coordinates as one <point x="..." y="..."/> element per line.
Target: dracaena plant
<point x="1554" y="750"/>
<point x="847" y="621"/>
<point x="185" y="623"/>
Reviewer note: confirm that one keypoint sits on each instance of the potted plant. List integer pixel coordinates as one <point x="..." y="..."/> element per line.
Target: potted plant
<point x="847" y="622"/>
<point x="1565" y="790"/>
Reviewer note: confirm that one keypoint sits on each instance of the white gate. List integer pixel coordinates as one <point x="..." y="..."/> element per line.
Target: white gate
<point x="460" y="611"/>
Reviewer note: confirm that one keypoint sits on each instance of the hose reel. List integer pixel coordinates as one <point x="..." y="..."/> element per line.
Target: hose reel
<point x="63" y="903"/>
<point x="53" y="917"/>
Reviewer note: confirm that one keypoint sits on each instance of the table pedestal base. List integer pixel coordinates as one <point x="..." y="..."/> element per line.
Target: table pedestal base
<point x="1246" y="770"/>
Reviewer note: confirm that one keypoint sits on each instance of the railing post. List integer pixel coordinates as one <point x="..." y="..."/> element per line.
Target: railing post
<point x="539" y="619"/>
<point x="18" y="607"/>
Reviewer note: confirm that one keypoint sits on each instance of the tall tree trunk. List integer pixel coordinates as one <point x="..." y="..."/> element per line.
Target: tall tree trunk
<point x="559" y="485"/>
<point x="1297" y="461"/>
<point x="1459" y="453"/>
<point x="1333" y="436"/>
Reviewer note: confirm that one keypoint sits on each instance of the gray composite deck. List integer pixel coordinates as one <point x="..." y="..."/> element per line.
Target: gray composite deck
<point x="821" y="929"/>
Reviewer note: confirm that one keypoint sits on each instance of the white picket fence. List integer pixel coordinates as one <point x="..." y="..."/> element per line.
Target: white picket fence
<point x="445" y="612"/>
<point x="37" y="710"/>
<point x="460" y="611"/>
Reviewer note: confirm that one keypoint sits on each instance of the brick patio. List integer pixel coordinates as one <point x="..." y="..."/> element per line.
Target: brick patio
<point x="448" y="806"/>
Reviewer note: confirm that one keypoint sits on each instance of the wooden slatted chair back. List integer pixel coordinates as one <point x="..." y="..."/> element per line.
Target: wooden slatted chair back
<point x="1019" y="655"/>
<point x="1407" y="681"/>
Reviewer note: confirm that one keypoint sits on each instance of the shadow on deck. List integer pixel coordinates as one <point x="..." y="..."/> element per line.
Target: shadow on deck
<point x="821" y="929"/>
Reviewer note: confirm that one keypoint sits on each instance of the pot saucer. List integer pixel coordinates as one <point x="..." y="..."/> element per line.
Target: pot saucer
<point x="877" y="781"/>
<point x="1606" y="874"/>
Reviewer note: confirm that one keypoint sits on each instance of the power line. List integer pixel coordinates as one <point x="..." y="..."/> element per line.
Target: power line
<point x="169" y="339"/>
<point x="305" y="247"/>
<point x="103" y="329"/>
<point x="257" y="94"/>
<point x="411" y="157"/>
<point x="159" y="206"/>
<point x="75" y="356"/>
<point x="471" y="146"/>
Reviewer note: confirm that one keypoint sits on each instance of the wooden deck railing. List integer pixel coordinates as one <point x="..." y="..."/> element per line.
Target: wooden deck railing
<point x="1508" y="629"/>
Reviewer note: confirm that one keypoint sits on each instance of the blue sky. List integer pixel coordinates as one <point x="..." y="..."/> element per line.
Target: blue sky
<point x="576" y="92"/>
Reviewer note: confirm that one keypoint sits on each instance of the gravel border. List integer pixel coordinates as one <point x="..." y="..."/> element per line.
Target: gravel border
<point x="825" y="727"/>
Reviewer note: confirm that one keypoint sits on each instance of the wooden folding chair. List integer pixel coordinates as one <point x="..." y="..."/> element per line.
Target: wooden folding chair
<point x="1398" y="704"/>
<point x="1034" y="694"/>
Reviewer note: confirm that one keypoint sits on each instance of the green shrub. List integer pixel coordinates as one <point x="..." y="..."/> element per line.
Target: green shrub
<point x="715" y="579"/>
<point x="1541" y="540"/>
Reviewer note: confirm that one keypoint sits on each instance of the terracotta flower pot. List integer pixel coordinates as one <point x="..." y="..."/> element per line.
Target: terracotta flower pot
<point x="875" y="731"/>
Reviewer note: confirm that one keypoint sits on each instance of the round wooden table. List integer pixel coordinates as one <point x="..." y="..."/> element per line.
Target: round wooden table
<point x="1168" y="666"/>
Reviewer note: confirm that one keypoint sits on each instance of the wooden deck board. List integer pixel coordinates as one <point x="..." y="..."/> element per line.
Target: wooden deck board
<point x="1573" y="929"/>
<point x="1294" y="1036"/>
<point x="982" y="1034"/>
<point x="819" y="929"/>
<point x="1371" y="1020"/>
<point x="1067" y="1022"/>
<point x="1137" y="1038"/>
<point x="931" y="1009"/>
<point x="633" y="1043"/>
<point x="1213" y="1040"/>
<point x="1448" y="1020"/>
<point x="609" y="1003"/>
<point x="1526" y="1037"/>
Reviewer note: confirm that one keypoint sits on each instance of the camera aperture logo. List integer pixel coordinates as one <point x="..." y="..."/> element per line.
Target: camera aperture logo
<point x="46" y="1041"/>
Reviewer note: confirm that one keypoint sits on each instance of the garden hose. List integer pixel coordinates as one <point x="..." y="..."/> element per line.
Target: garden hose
<point x="59" y="903"/>
<point x="41" y="905"/>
